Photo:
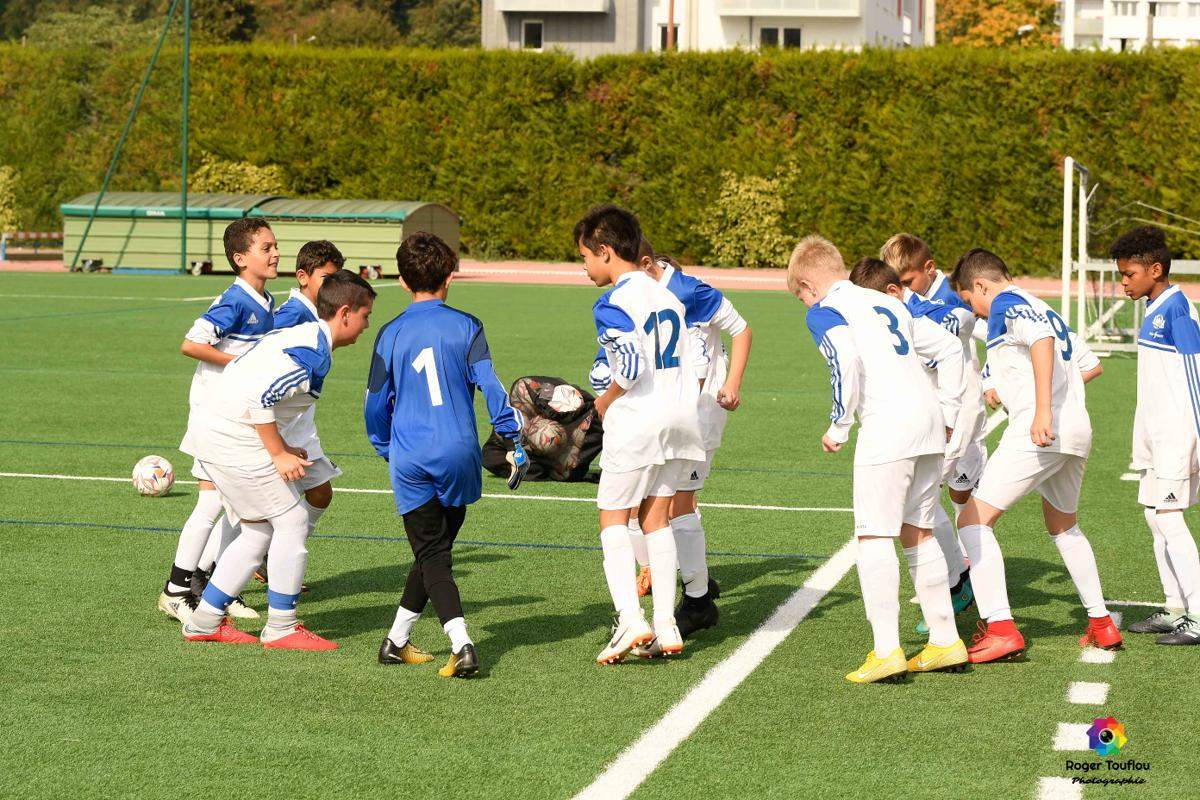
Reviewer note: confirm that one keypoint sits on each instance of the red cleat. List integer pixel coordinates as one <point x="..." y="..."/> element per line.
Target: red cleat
<point x="1101" y="632"/>
<point x="301" y="639"/>
<point x="996" y="641"/>
<point x="224" y="633"/>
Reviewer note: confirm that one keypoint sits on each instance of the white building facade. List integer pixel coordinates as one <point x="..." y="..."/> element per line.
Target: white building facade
<point x="1130" y="24"/>
<point x="595" y="27"/>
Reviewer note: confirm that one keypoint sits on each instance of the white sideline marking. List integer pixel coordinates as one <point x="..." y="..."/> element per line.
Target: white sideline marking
<point x="1094" y="655"/>
<point x="1139" y="603"/>
<point x="994" y="421"/>
<point x="1071" y="736"/>
<point x="1131" y="476"/>
<point x="1058" y="789"/>
<point x="107" y="297"/>
<point x="641" y="758"/>
<point x="1084" y="693"/>
<point x="346" y="490"/>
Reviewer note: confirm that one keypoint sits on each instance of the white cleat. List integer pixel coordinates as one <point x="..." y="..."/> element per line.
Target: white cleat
<point x="670" y="641"/>
<point x="179" y="607"/>
<point x="239" y="609"/>
<point x="631" y="631"/>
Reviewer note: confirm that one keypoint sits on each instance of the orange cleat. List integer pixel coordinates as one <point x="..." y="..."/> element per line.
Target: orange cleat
<point x="1101" y="632"/>
<point x="224" y="633"/>
<point x="643" y="582"/>
<point x="996" y="641"/>
<point x="301" y="639"/>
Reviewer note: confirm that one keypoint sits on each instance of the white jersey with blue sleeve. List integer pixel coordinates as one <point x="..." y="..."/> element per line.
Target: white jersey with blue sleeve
<point x="643" y="330"/>
<point x="876" y="368"/>
<point x="276" y="381"/>
<point x="1016" y="321"/>
<point x="1167" y="418"/>
<point x="301" y="432"/>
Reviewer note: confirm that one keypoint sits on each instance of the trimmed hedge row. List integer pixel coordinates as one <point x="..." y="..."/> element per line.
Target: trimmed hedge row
<point x="961" y="146"/>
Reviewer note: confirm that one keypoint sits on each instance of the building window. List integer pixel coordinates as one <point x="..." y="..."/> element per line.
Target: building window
<point x="791" y="37"/>
<point x="531" y="34"/>
<point x="768" y="37"/>
<point x="662" y="36"/>
<point x="1164" y="9"/>
<point x="1124" y="8"/>
<point x="1194" y="9"/>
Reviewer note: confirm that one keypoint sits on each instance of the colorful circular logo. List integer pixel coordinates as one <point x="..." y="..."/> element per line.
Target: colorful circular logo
<point x="1107" y="736"/>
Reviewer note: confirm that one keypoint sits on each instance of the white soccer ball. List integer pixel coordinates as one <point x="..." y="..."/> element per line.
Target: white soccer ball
<point x="565" y="399"/>
<point x="153" y="476"/>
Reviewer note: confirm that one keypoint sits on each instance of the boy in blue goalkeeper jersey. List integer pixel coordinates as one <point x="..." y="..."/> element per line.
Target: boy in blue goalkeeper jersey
<point x="420" y="416"/>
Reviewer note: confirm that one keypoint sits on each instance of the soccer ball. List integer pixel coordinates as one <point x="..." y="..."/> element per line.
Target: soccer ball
<point x="565" y="399"/>
<point x="544" y="436"/>
<point x="153" y="476"/>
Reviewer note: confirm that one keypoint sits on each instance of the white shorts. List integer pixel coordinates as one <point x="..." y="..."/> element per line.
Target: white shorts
<point x="198" y="471"/>
<point x="1012" y="474"/>
<point x="253" y="493"/>
<point x="694" y="481"/>
<point x="322" y="471"/>
<point x="1166" y="494"/>
<point x="963" y="473"/>
<point x="621" y="490"/>
<point x="903" y="492"/>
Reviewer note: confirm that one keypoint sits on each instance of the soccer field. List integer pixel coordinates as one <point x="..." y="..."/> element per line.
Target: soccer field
<point x="103" y="698"/>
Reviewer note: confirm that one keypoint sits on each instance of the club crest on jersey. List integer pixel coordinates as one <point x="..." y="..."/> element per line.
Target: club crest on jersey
<point x="1159" y="323"/>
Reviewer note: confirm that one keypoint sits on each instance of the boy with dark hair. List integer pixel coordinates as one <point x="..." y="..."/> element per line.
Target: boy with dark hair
<point x="239" y="444"/>
<point x="232" y="325"/>
<point x="1165" y="426"/>
<point x="420" y="416"/>
<point x="1044" y="448"/>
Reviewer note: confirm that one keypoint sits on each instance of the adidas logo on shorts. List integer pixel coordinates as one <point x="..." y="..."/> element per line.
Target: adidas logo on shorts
<point x="962" y="478"/>
<point x="695" y="476"/>
<point x="1170" y="498"/>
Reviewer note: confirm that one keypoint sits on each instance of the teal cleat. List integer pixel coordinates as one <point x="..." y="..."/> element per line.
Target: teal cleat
<point x="962" y="597"/>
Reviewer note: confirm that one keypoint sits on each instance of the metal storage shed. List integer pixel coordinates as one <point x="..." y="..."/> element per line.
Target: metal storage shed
<point x="366" y="231"/>
<point x="140" y="230"/>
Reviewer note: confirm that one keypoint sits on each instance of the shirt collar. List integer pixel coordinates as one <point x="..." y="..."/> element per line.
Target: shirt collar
<point x="627" y="276"/>
<point x="324" y="327"/>
<point x="667" y="272"/>
<point x="296" y="294"/>
<point x="1170" y="290"/>
<point x="265" y="302"/>
<point x="936" y="285"/>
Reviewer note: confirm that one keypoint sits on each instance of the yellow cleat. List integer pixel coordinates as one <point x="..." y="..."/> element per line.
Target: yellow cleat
<point x="462" y="664"/>
<point x="874" y="669"/>
<point x="952" y="658"/>
<point x="408" y="653"/>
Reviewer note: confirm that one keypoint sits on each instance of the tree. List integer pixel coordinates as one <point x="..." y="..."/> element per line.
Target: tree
<point x="995" y="23"/>
<point x="9" y="218"/>
<point x="215" y="174"/>
<point x="346" y="24"/>
<point x="445" y="23"/>
<point x="744" y="226"/>
<point x="224" y="20"/>
<point x="98" y="26"/>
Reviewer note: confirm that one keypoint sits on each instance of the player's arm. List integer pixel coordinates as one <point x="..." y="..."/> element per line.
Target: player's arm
<point x="600" y="376"/>
<point x="1086" y="360"/>
<point x="507" y="421"/>
<point x="936" y="343"/>
<point x="292" y="373"/>
<point x="201" y="339"/>
<point x="832" y="335"/>
<point x="1031" y="329"/>
<point x="618" y="336"/>
<point x="729" y="321"/>
<point x="380" y="400"/>
<point x="1185" y="332"/>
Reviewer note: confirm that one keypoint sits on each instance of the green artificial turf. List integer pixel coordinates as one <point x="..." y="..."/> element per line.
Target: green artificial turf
<point x="103" y="698"/>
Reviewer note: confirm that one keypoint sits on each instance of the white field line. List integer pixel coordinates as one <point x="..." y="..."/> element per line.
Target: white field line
<point x="1131" y="476"/>
<point x="994" y="421"/>
<point x="1138" y="603"/>
<point x="106" y="297"/>
<point x="1071" y="736"/>
<point x="1058" y="789"/>
<point x="1094" y="655"/>
<point x="1086" y="693"/>
<point x="641" y="758"/>
<point x="514" y="496"/>
<point x="775" y="280"/>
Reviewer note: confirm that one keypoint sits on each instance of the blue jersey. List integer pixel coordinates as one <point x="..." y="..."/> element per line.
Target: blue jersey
<point x="940" y="291"/>
<point x="296" y="311"/>
<point x="233" y="324"/>
<point x="420" y="406"/>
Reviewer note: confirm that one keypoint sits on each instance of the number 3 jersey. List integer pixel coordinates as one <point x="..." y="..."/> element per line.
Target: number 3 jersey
<point x="1168" y="384"/>
<point x="876" y="356"/>
<point x="643" y="330"/>
<point x="1018" y="320"/>
<point x="420" y="404"/>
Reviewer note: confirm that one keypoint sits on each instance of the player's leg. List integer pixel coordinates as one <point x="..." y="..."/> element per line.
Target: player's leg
<point x="655" y="517"/>
<point x="176" y="598"/>
<point x="463" y="661"/>
<point x="697" y="609"/>
<point x="1180" y="551"/>
<point x="617" y="493"/>
<point x="288" y="555"/>
<point x="209" y="622"/>
<point x="223" y="534"/>
<point x="637" y="540"/>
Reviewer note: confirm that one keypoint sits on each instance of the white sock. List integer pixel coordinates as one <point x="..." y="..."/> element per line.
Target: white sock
<point x="231" y="574"/>
<point x="947" y="539"/>
<point x="690" y="548"/>
<point x="987" y="572"/>
<point x="879" y="577"/>
<point x="1172" y="593"/>
<point x="314" y="513"/>
<point x="288" y="558"/>
<point x="456" y="629"/>
<point x="223" y="534"/>
<point x="660" y="545"/>
<point x="1076" y="552"/>
<point x="402" y="626"/>
<point x="638" y="540"/>
<point x="958" y="509"/>
<point x="927" y="567"/>
<point x="619" y="567"/>
<point x="1185" y="563"/>
<point x="194" y="535"/>
<point x="205" y="619"/>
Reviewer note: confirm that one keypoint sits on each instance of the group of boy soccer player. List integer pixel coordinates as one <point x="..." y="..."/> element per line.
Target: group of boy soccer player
<point x="899" y="340"/>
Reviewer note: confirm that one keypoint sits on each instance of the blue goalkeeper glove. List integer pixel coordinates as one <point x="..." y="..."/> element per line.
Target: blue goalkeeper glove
<point x="519" y="463"/>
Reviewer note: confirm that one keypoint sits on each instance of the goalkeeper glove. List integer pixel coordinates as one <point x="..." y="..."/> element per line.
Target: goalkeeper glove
<point x="519" y="463"/>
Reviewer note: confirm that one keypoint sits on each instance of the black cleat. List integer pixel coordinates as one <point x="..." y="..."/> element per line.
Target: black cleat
<point x="408" y="653"/>
<point x="1161" y="621"/>
<point x="462" y="664"/>
<point x="714" y="589"/>
<point x="695" y="614"/>
<point x="1186" y="632"/>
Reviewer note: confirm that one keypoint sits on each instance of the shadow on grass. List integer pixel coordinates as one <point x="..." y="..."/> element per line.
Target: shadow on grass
<point x="391" y="577"/>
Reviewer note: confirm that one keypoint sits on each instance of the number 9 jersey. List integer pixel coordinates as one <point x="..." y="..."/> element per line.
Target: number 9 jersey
<point x="642" y="328"/>
<point x="1016" y="321"/>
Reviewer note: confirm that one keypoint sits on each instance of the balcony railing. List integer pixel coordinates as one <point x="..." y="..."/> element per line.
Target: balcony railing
<point x="790" y="8"/>
<point x="555" y="6"/>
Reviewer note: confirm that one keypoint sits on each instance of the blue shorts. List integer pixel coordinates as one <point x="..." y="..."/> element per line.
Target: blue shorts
<point x="455" y="479"/>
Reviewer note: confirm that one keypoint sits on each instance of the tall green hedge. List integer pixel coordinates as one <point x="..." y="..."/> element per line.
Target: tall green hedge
<point x="961" y="146"/>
